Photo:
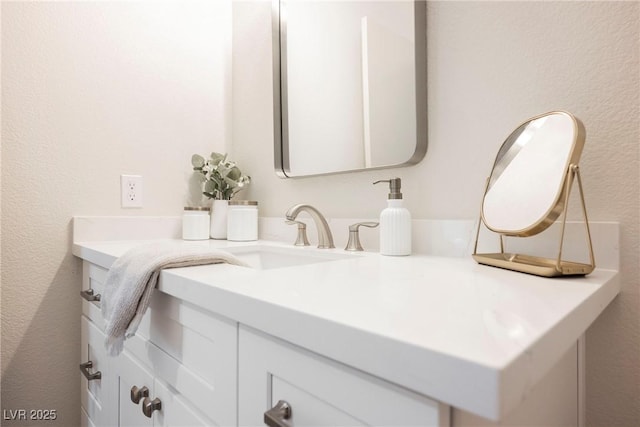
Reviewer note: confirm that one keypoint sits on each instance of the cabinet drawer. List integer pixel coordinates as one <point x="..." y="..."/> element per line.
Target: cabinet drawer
<point x="93" y="278"/>
<point x="192" y="351"/>
<point x="85" y="421"/>
<point x="322" y="392"/>
<point x="96" y="394"/>
<point x="178" y="411"/>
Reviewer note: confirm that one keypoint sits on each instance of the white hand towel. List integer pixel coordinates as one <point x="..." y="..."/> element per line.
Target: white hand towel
<point x="132" y="278"/>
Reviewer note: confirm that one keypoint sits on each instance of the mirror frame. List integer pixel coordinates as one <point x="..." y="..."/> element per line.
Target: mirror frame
<point x="554" y="211"/>
<point x="282" y="162"/>
<point x="540" y="266"/>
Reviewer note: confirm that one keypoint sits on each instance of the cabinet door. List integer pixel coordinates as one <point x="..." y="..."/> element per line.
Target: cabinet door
<point x="194" y="352"/>
<point x="133" y="374"/>
<point x="85" y="421"/>
<point x="173" y="409"/>
<point x="176" y="410"/>
<point x="97" y="378"/>
<point x="322" y="392"/>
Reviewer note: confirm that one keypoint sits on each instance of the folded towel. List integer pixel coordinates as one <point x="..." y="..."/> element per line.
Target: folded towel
<point x="132" y="278"/>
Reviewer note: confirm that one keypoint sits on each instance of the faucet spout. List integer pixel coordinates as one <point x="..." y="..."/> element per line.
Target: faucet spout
<point x="325" y="238"/>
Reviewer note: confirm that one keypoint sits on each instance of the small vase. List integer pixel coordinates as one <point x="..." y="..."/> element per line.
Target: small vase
<point x="218" y="229"/>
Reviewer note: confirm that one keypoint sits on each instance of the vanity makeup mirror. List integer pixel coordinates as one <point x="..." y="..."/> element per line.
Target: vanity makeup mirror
<point x="349" y="85"/>
<point x="529" y="188"/>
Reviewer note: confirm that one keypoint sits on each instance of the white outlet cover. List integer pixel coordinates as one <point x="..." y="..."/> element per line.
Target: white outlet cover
<point x="131" y="191"/>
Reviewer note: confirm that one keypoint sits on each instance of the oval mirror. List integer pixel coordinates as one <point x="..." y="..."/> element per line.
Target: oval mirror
<point x="525" y="191"/>
<point x="529" y="187"/>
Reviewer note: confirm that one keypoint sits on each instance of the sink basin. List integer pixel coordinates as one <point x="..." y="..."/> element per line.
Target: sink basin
<point x="268" y="257"/>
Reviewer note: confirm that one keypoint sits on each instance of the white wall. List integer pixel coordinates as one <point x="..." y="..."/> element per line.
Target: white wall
<point x="491" y="65"/>
<point x="92" y="90"/>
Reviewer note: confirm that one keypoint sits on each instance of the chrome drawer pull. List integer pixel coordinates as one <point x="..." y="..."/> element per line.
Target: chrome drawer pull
<point x="89" y="296"/>
<point x="276" y="416"/>
<point x="138" y="393"/>
<point x="148" y="406"/>
<point x="84" y="368"/>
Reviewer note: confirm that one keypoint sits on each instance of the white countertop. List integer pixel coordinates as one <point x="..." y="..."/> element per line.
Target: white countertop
<point x="475" y="337"/>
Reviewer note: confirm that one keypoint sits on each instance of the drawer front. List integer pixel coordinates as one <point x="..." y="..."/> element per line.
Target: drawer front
<point x="93" y="278"/>
<point x="178" y="411"/>
<point x="96" y="394"/>
<point x="85" y="421"/>
<point x="320" y="391"/>
<point x="133" y="374"/>
<point x="192" y="351"/>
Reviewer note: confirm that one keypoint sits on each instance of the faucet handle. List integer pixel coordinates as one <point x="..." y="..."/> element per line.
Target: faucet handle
<point x="354" y="235"/>
<point x="301" y="240"/>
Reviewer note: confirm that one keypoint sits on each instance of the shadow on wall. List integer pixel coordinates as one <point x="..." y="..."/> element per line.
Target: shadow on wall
<point x="43" y="372"/>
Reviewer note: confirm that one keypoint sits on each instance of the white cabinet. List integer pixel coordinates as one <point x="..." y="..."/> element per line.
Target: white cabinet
<point x="184" y="356"/>
<point x="321" y="392"/>
<point x="202" y="369"/>
<point x="145" y="401"/>
<point x="181" y="414"/>
<point x="195" y="364"/>
<point x="97" y="378"/>
<point x="85" y="421"/>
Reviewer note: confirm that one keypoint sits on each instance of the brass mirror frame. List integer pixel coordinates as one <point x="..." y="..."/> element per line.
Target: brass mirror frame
<point x="540" y="266"/>
<point x="282" y="162"/>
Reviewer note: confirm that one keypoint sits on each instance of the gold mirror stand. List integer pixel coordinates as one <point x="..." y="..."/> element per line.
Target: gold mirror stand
<point x="538" y="266"/>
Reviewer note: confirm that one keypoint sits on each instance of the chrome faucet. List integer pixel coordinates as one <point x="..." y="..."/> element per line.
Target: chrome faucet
<point x="325" y="239"/>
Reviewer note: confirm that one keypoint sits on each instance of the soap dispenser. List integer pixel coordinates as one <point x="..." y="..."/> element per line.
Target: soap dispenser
<point x="395" y="223"/>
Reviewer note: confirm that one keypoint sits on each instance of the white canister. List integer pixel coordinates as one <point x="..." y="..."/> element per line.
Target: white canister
<point x="242" y="220"/>
<point x="195" y="223"/>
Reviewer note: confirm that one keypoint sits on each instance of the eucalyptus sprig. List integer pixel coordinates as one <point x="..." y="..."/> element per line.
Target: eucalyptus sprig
<point x="222" y="178"/>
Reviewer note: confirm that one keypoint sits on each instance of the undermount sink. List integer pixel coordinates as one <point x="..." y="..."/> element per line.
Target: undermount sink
<point x="269" y="257"/>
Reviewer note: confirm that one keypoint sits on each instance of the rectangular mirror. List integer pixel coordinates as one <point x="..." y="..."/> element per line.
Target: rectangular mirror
<point x="350" y="85"/>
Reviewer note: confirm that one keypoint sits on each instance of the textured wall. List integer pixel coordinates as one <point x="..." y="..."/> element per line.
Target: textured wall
<point x="492" y="65"/>
<point x="92" y="90"/>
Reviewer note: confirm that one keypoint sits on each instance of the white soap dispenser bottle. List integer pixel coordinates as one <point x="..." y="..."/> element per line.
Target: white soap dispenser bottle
<point x="395" y="223"/>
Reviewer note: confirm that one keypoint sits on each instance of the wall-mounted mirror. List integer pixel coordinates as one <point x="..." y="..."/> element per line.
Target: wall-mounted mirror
<point x="529" y="188"/>
<point x="349" y="85"/>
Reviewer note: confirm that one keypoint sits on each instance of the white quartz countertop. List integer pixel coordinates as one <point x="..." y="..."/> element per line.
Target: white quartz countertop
<point x="475" y="337"/>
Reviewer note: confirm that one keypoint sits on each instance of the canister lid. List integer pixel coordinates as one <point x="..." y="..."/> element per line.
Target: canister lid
<point x="196" y="208"/>
<point x="243" y="203"/>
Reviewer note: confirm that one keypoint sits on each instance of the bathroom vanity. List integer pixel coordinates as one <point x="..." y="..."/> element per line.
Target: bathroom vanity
<point x="343" y="339"/>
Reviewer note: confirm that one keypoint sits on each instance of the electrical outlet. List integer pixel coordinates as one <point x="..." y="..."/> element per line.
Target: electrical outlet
<point x="131" y="191"/>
